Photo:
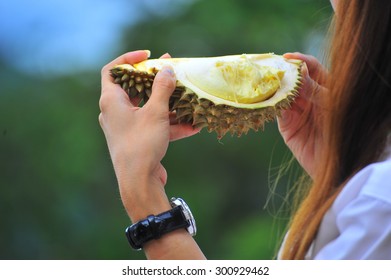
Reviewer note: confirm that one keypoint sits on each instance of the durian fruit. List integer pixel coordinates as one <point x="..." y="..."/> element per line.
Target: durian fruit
<point x="232" y="94"/>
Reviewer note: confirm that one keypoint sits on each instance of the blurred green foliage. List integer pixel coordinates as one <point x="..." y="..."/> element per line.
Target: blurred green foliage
<point x="58" y="195"/>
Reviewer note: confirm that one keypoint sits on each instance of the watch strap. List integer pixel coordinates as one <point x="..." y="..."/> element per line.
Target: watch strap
<point x="153" y="227"/>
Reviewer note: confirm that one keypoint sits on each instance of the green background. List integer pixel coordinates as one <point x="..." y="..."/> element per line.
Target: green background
<point x="58" y="192"/>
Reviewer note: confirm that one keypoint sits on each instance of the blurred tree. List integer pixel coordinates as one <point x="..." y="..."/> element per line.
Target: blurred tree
<point x="230" y="177"/>
<point x="59" y="198"/>
<point x="220" y="27"/>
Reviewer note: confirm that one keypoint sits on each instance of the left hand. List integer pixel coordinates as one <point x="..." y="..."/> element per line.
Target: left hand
<point x="300" y="125"/>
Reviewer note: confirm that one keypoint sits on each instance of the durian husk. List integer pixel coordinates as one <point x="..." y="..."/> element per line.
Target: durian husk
<point x="202" y="109"/>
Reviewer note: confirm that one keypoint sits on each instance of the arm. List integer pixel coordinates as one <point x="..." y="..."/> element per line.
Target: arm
<point x="138" y="139"/>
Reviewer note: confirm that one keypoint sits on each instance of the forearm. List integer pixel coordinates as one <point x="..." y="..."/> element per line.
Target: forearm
<point x="144" y="195"/>
<point x="176" y="245"/>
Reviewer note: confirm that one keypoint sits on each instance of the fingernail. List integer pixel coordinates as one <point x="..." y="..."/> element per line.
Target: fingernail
<point x="148" y="53"/>
<point x="168" y="70"/>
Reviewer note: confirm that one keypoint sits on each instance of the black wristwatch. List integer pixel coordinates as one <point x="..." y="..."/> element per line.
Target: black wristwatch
<point x="153" y="227"/>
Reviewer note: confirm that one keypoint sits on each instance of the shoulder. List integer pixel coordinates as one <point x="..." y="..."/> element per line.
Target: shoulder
<point x="378" y="184"/>
<point x="357" y="225"/>
<point x="373" y="181"/>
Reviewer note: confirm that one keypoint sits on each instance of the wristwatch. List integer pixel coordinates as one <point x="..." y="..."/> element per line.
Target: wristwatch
<point x="153" y="227"/>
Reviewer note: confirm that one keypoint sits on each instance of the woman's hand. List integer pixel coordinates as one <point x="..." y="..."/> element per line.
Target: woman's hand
<point x="300" y="125"/>
<point x="138" y="138"/>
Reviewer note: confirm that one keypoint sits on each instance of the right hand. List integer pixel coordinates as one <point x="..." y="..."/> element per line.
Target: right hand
<point x="300" y="125"/>
<point x="138" y="138"/>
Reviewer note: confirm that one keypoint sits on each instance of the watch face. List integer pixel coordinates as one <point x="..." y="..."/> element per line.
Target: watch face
<point x="192" y="229"/>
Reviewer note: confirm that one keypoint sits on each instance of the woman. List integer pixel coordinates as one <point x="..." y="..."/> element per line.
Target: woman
<point x="339" y="129"/>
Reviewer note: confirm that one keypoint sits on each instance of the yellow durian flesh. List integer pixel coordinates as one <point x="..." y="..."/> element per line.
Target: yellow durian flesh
<point x="240" y="81"/>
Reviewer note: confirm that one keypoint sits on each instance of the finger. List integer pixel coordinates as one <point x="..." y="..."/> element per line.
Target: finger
<point x="315" y="68"/>
<point x="162" y="88"/>
<point x="180" y="131"/>
<point x="127" y="58"/>
<point x="310" y="89"/>
<point x="166" y="55"/>
<point x="108" y="98"/>
<point x="286" y="118"/>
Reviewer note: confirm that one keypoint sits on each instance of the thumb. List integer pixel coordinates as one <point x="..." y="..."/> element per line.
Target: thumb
<point x="162" y="88"/>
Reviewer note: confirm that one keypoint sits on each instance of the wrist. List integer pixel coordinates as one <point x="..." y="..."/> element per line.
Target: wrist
<point x="141" y="184"/>
<point x="153" y="227"/>
<point x="142" y="196"/>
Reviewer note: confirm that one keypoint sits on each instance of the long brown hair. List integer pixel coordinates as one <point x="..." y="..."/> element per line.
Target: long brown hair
<point x="358" y="106"/>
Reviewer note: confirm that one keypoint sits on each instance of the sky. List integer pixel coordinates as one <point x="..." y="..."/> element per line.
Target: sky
<point x="61" y="35"/>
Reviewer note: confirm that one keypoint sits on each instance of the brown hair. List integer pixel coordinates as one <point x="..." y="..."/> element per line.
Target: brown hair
<point x="358" y="111"/>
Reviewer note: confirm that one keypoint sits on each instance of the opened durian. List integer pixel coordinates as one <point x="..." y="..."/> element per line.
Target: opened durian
<point x="232" y="94"/>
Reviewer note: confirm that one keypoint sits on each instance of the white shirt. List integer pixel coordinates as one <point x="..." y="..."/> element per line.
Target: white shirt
<point x="358" y="224"/>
